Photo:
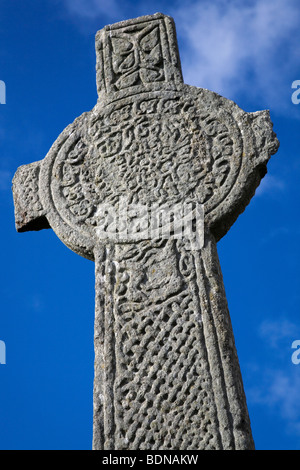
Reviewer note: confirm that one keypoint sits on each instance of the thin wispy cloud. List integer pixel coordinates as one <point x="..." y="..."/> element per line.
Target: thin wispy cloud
<point x="276" y="332"/>
<point x="277" y="234"/>
<point x="92" y="9"/>
<point x="236" y="47"/>
<point x="277" y="387"/>
<point x="271" y="184"/>
<point x="233" y="47"/>
<point x="279" y="392"/>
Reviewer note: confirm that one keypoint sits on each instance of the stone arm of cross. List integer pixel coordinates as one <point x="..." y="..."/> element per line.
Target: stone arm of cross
<point x="259" y="144"/>
<point x="29" y="183"/>
<point x="29" y="212"/>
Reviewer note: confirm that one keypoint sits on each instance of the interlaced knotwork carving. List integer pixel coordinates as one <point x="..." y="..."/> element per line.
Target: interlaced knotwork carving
<point x="151" y="151"/>
<point x="163" y="390"/>
<point x="29" y="183"/>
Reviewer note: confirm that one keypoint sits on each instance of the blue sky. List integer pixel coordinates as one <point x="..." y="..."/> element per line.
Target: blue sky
<point x="247" y="51"/>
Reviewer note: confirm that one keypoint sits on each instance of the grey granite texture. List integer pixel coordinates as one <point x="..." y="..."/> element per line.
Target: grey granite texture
<point x="167" y="374"/>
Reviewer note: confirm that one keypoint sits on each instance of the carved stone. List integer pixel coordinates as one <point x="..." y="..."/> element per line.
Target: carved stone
<point x="166" y="370"/>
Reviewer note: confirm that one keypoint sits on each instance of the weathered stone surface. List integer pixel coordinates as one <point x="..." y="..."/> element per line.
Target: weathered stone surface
<point x="166" y="370"/>
<point x="29" y="212"/>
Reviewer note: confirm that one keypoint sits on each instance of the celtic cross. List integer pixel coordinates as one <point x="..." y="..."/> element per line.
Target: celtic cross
<point x="167" y="374"/>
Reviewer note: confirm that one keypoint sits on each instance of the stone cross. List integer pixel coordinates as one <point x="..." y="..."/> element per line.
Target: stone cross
<point x="167" y="374"/>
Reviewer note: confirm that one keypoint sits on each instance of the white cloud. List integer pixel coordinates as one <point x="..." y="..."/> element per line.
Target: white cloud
<point x="277" y="387"/>
<point x="270" y="184"/>
<point x="91" y="9"/>
<point x="237" y="46"/>
<point x="274" y="332"/>
<point x="278" y="391"/>
<point x="234" y="47"/>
